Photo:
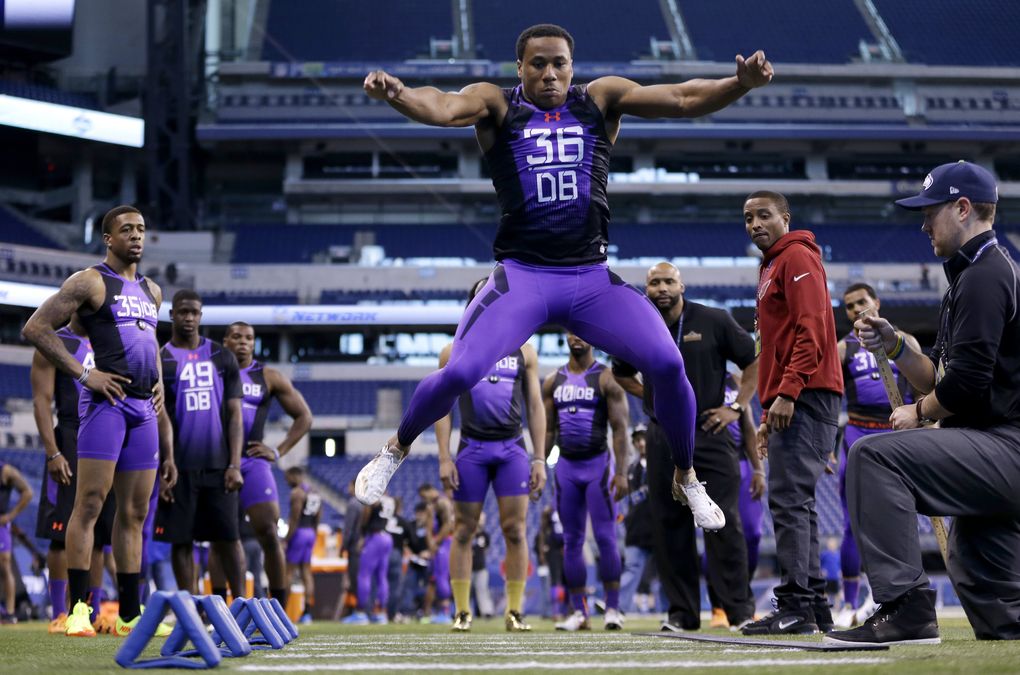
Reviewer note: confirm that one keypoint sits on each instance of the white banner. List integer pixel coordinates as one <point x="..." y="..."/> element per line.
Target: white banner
<point x="32" y="295"/>
<point x="66" y="120"/>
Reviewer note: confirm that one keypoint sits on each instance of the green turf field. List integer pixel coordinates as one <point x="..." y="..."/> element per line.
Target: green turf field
<point x="329" y="647"/>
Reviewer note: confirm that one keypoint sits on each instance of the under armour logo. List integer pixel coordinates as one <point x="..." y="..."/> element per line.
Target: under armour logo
<point x="552" y="117"/>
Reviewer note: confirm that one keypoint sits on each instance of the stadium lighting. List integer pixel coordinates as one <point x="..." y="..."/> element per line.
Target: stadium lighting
<point x="90" y="125"/>
<point x="330" y="447"/>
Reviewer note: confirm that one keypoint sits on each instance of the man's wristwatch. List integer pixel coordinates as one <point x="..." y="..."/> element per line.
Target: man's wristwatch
<point x="736" y="407"/>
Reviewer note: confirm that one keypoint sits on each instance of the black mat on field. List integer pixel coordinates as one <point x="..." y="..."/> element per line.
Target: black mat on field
<point x="805" y="645"/>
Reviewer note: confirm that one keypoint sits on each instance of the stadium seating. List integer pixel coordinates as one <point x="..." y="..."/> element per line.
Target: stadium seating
<point x="351" y="30"/>
<point x="14" y="231"/>
<point x="349" y="397"/>
<point x="790" y="31"/>
<point x="624" y="38"/>
<point x="14" y="382"/>
<point x="250" y="297"/>
<point x="983" y="31"/>
<point x="46" y="94"/>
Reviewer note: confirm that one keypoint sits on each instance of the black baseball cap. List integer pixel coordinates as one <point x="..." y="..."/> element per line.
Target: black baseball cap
<point x="949" y="182"/>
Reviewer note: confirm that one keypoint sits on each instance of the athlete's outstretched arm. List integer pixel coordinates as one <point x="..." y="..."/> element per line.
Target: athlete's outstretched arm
<point x="43" y="377"/>
<point x="448" y="475"/>
<point x="294" y="404"/>
<point x="616" y="402"/>
<point x="693" y="98"/>
<point x="536" y="421"/>
<point x="429" y="105"/>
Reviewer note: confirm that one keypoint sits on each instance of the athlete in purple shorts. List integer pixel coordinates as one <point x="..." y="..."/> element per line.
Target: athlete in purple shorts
<point x="580" y="399"/>
<point x="305" y="511"/>
<point x="203" y="385"/>
<point x="51" y="389"/>
<point x="118" y="443"/>
<point x="261" y="384"/>
<point x="10" y="479"/>
<point x="868" y="412"/>
<point x="492" y="451"/>
<point x="547" y="144"/>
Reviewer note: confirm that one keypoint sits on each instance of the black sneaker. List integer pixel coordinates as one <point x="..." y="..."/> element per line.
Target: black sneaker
<point x="676" y="624"/>
<point x="908" y="620"/>
<point x="823" y="615"/>
<point x="790" y="617"/>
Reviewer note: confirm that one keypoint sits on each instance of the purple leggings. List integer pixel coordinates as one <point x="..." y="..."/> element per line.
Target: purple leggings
<point x="441" y="570"/>
<point x="374" y="564"/>
<point x="589" y="301"/>
<point x="582" y="488"/>
<point x="751" y="511"/>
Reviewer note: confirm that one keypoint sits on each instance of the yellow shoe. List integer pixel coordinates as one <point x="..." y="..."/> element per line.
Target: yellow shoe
<point x="719" y="619"/>
<point x="59" y="624"/>
<point x="105" y="624"/>
<point x="462" y="623"/>
<point x="124" y="628"/>
<point x="79" y="623"/>
<point x="515" y="623"/>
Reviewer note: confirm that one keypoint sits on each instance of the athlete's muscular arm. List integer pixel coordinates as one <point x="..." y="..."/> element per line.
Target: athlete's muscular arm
<point x="82" y="289"/>
<point x="445" y="509"/>
<point x="616" y="402"/>
<point x="552" y="420"/>
<point x="297" y="502"/>
<point x="536" y="420"/>
<point x="431" y="106"/>
<point x="168" y="468"/>
<point x="631" y="384"/>
<point x="448" y="475"/>
<point x="294" y="404"/>
<point x="43" y="377"/>
<point x="11" y="476"/>
<point x="876" y="332"/>
<point x="157" y="389"/>
<point x="232" y="479"/>
<point x="749" y="438"/>
<point x="619" y="96"/>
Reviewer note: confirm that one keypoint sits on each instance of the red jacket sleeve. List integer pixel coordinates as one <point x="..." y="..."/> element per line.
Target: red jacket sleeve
<point x="807" y="300"/>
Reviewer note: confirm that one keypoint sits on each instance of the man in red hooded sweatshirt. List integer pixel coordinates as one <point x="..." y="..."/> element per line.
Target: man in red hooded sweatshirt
<point x="800" y="384"/>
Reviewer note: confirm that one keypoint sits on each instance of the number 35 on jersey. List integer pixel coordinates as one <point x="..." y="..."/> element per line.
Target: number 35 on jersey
<point x="558" y="152"/>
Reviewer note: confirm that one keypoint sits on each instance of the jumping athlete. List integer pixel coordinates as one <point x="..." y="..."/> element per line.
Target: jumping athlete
<point x="547" y="144"/>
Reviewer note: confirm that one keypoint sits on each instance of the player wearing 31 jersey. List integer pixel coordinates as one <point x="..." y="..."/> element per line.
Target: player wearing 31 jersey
<point x="305" y="511"/>
<point x="580" y="398"/>
<point x="49" y="387"/>
<point x="547" y="144"/>
<point x="118" y="442"/>
<point x="492" y="451"/>
<point x="259" y="499"/>
<point x="868" y="410"/>
<point x="203" y="389"/>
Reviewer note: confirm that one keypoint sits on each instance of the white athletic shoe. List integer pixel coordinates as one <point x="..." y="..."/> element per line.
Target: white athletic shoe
<point x="867" y="608"/>
<point x="575" y="622"/>
<point x="370" y="485"/>
<point x="846" y="618"/>
<point x="707" y="514"/>
<point x="613" y="619"/>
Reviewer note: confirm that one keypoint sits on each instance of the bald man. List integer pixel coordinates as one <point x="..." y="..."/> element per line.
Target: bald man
<point x="707" y="338"/>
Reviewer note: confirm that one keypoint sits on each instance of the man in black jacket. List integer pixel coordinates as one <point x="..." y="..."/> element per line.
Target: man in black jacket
<point x="707" y="338"/>
<point x="969" y="468"/>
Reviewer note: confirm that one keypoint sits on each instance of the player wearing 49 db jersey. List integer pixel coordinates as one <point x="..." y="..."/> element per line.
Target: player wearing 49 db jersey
<point x="203" y="392"/>
<point x="547" y="143"/>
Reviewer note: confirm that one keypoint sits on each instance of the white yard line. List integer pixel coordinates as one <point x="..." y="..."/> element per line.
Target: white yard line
<point x="591" y="665"/>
